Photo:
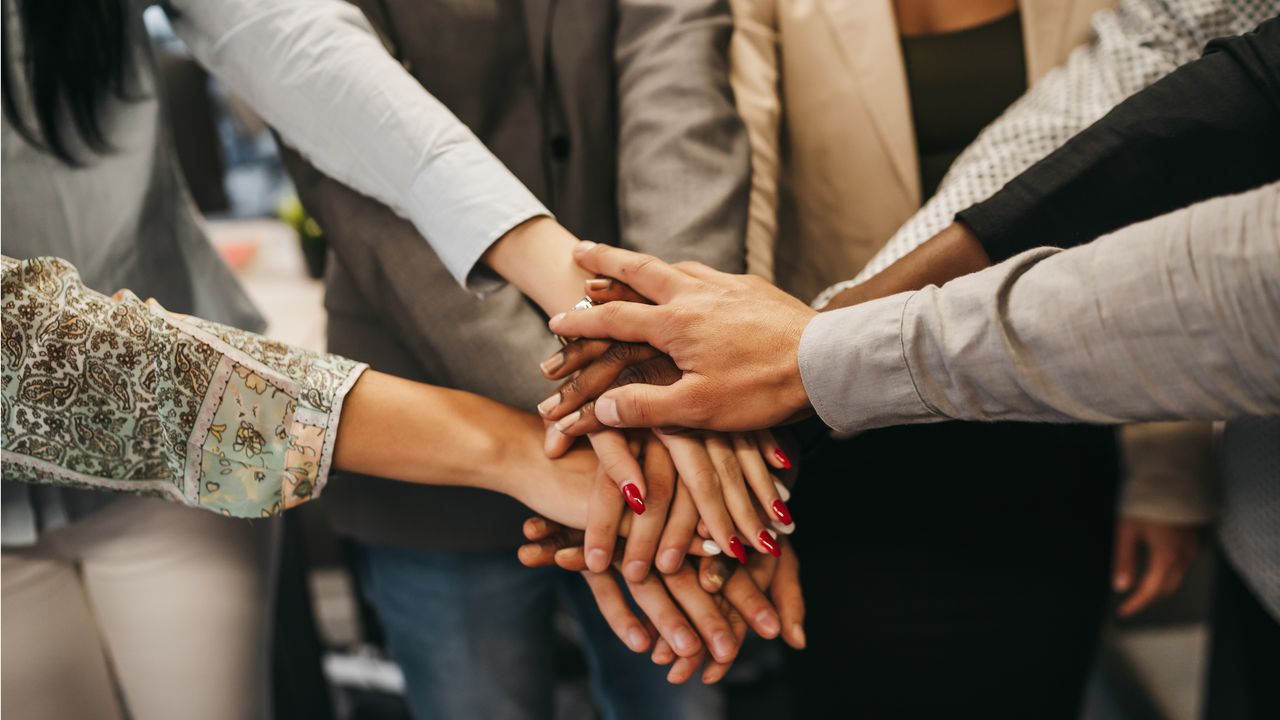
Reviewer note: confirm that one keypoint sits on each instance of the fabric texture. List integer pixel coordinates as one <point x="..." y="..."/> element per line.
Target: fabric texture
<point x="118" y="394"/>
<point x="1174" y="318"/>
<point x="1132" y="46"/>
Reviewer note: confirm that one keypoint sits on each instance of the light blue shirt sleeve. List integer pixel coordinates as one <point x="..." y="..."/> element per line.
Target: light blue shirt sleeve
<point x="317" y="71"/>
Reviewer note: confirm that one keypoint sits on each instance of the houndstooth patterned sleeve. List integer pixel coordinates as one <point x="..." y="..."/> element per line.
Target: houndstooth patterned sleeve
<point x="1133" y="46"/>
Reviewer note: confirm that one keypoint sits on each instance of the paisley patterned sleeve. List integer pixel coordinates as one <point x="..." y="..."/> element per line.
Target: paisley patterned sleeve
<point x="118" y="394"/>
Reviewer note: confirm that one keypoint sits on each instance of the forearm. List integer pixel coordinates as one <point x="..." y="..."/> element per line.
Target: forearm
<point x="948" y="255"/>
<point x="537" y="257"/>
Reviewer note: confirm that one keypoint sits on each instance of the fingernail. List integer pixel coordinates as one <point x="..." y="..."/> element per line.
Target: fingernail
<point x="632" y="493"/>
<point x="783" y="529"/>
<point x="783" y="492"/>
<point x="669" y="560"/>
<point x="770" y="543"/>
<point x="555" y="320"/>
<point x="549" y="404"/>
<point x="780" y="509"/>
<point x="637" y="640"/>
<point x="782" y="458"/>
<point x="683" y="641"/>
<point x="552" y="364"/>
<point x="569" y="421"/>
<point x="536" y="525"/>
<point x="636" y="570"/>
<point x="768" y="621"/>
<point x="552" y="438"/>
<point x="583" y="246"/>
<point x="607" y="411"/>
<point x="722" y="645"/>
<point x="599" y="284"/>
<point x="735" y="547"/>
<point x="1119" y="583"/>
<point x="797" y="632"/>
<point x="597" y="560"/>
<point x="716" y="576"/>
<point x="710" y="547"/>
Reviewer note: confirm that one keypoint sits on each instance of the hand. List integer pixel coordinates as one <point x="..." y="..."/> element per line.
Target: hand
<point x="735" y="339"/>
<point x="1169" y="552"/>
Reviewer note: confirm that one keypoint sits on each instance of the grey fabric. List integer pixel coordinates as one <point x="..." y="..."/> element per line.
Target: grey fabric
<point x="618" y="116"/>
<point x="1174" y="318"/>
<point x="1249" y="527"/>
<point x="125" y="220"/>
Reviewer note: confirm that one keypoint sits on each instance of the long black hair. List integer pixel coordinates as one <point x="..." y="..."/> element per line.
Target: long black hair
<point x="75" y="54"/>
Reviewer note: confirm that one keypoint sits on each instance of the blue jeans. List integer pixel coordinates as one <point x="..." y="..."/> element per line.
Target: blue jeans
<point x="472" y="633"/>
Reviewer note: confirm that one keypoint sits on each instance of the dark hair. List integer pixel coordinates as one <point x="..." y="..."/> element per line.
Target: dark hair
<point x="75" y="54"/>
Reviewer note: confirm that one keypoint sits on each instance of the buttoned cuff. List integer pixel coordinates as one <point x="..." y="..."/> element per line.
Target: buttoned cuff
<point x="463" y="202"/>
<point x="854" y="369"/>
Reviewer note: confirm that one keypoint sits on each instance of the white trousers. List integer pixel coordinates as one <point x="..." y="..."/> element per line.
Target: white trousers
<point x="144" y="609"/>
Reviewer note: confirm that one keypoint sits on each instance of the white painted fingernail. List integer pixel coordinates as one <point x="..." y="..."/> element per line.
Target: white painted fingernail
<point x="549" y="404"/>
<point x="783" y="492"/>
<point x="583" y="246"/>
<point x="711" y="548"/>
<point x="569" y="421"/>
<point x="784" y="529"/>
<point x="607" y="411"/>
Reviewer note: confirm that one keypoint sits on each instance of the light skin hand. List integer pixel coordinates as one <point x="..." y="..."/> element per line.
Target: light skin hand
<point x="1169" y="551"/>
<point x="735" y="339"/>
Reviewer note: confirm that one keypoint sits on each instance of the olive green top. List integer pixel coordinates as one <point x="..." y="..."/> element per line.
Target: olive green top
<point x="959" y="82"/>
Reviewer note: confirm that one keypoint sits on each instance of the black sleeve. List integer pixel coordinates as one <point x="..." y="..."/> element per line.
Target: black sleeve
<point x="1211" y="127"/>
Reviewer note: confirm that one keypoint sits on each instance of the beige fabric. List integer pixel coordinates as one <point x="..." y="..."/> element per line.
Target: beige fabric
<point x="822" y="88"/>
<point x="174" y="603"/>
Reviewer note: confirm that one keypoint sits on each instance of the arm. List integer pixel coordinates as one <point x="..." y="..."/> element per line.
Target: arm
<point x="118" y="394"/>
<point x="683" y="155"/>
<point x="1133" y="46"/>
<point x="753" y="73"/>
<point x="1073" y="335"/>
<point x="316" y="70"/>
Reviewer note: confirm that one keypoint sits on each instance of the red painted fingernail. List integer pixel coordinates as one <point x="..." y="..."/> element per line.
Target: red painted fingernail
<point x="780" y="509"/>
<point x="782" y="458"/>
<point x="770" y="543"/>
<point x="735" y="547"/>
<point x="632" y="494"/>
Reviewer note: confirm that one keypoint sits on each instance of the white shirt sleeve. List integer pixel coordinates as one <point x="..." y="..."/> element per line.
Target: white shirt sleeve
<point x="317" y="72"/>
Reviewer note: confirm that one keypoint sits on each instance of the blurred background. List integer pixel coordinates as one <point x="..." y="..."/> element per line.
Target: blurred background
<point x="329" y="657"/>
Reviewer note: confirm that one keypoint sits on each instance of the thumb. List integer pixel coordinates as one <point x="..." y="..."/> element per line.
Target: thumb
<point x="1126" y="552"/>
<point x="639" y="405"/>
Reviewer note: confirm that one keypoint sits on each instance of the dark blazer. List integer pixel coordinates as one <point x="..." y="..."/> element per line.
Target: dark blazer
<point x="618" y="116"/>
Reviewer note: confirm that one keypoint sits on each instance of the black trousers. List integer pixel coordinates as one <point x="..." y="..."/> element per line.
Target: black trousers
<point x="956" y="570"/>
<point x="1244" y="655"/>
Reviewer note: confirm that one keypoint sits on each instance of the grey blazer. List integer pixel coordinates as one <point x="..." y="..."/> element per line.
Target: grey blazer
<point x="618" y="116"/>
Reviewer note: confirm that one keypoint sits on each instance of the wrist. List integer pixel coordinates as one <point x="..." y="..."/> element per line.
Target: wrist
<point x="537" y="257"/>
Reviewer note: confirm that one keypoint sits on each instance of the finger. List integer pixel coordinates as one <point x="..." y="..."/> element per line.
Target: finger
<point x="772" y="450"/>
<point x="603" y="290"/>
<point x="595" y="378"/>
<point x="1148" y="588"/>
<point x="714" y="572"/>
<point x="698" y="473"/>
<point x="645" y="274"/>
<point x="575" y="355"/>
<point x="788" y="600"/>
<point x="762" y="483"/>
<point x="621" y="466"/>
<point x="655" y="406"/>
<point x="715" y="671"/>
<point x="646" y="529"/>
<point x="700" y="607"/>
<point x="537" y="529"/>
<point x="616" y="611"/>
<point x="684" y="668"/>
<point x="628" y="322"/>
<point x="745" y="596"/>
<point x="733" y="488"/>
<point x="572" y="559"/>
<point x="651" y="596"/>
<point x="556" y="443"/>
<point x="1126" y="551"/>
<point x="662" y="652"/>
<point x="604" y="513"/>
<point x="678" y="535"/>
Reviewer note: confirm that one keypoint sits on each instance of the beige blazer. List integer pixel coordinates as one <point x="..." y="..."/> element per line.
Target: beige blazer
<point x="822" y="88"/>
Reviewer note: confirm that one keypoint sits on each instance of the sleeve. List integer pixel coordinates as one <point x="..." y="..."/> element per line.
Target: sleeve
<point x="1170" y="474"/>
<point x="317" y="71"/>
<point x="1207" y="129"/>
<point x="683" y="155"/>
<point x="753" y="74"/>
<point x="1073" y="335"/>
<point x="118" y="394"/>
<point x="1132" y="46"/>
